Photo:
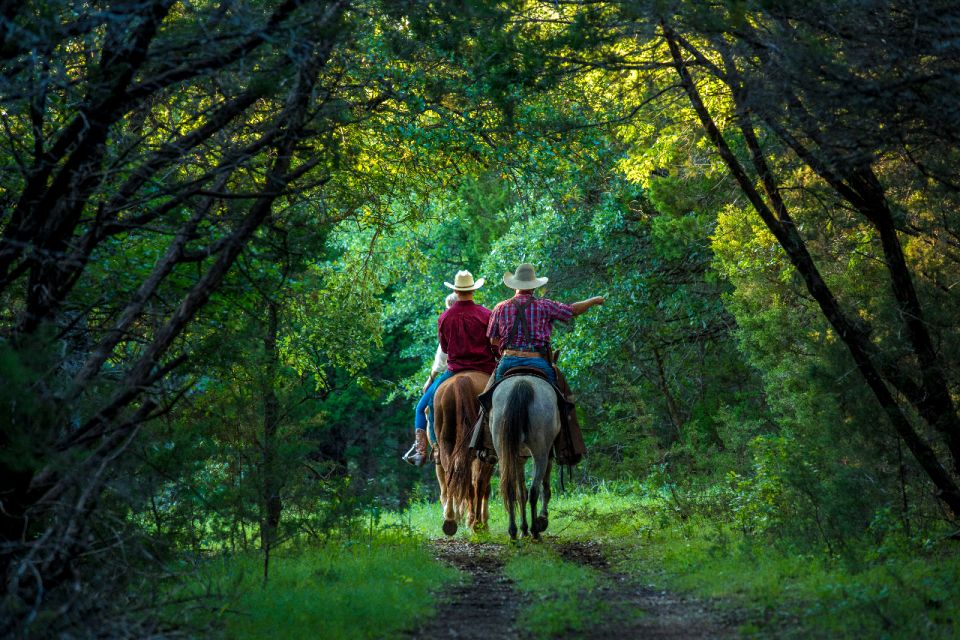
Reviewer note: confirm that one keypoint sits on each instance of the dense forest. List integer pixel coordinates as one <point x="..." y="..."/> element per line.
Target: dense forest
<point x="224" y="232"/>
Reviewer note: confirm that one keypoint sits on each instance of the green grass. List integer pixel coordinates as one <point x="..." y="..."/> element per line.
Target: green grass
<point x="907" y="593"/>
<point x="561" y="595"/>
<point x="607" y="511"/>
<point x="377" y="582"/>
<point x="371" y="589"/>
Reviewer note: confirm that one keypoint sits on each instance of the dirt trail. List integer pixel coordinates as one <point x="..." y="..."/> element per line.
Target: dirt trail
<point x="484" y="607"/>
<point x="487" y="606"/>
<point x="666" y="615"/>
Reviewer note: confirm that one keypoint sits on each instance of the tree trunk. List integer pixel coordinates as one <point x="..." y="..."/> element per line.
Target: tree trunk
<point x="271" y="506"/>
<point x="676" y="418"/>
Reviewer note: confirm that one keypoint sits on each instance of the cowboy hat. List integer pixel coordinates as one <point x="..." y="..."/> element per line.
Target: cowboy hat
<point x="464" y="282"/>
<point x="524" y="278"/>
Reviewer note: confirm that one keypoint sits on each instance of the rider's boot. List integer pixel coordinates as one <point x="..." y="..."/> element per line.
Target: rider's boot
<point x="417" y="455"/>
<point x="481" y="441"/>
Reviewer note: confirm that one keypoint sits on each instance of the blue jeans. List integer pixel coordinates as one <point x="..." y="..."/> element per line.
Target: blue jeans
<point x="426" y="402"/>
<point x="508" y="362"/>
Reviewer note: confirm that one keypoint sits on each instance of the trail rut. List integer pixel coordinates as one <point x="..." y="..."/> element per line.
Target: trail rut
<point x="487" y="605"/>
<point x="484" y="607"/>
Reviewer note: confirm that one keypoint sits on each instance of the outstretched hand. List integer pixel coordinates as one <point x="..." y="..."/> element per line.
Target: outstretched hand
<point x="584" y="305"/>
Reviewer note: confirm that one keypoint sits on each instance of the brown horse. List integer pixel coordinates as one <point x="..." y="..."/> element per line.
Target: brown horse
<point x="464" y="481"/>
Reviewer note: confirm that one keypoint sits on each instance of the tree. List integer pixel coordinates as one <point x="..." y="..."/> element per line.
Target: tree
<point x="819" y="105"/>
<point x="146" y="145"/>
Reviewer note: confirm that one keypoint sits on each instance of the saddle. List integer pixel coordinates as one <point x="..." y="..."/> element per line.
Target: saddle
<point x="568" y="448"/>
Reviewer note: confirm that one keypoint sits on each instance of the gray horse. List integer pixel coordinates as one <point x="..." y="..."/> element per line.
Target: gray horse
<point x="524" y="421"/>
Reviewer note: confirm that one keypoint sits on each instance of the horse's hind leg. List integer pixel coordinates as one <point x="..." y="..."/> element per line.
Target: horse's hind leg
<point x="541" y="463"/>
<point x="440" y="421"/>
<point x="485" y="507"/>
<point x="543" y="520"/>
<point x="524" y="529"/>
<point x="442" y="481"/>
<point x="534" y="494"/>
<point x="472" y="502"/>
<point x="446" y="503"/>
<point x="481" y="493"/>
<point x="449" y="516"/>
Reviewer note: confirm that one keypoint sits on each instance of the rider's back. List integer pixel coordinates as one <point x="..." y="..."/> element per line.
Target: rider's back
<point x="463" y="337"/>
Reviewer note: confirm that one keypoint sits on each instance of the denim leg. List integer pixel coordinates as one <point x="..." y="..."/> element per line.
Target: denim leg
<point x="419" y="419"/>
<point x="508" y="362"/>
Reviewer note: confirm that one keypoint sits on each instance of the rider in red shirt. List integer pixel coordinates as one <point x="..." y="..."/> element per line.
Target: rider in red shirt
<point x="463" y="337"/>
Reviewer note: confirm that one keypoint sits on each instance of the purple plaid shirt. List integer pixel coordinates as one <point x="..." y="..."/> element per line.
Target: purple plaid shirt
<point x="539" y="315"/>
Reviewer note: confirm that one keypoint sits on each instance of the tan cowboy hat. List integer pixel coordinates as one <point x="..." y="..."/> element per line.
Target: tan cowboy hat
<point x="524" y="278"/>
<point x="464" y="282"/>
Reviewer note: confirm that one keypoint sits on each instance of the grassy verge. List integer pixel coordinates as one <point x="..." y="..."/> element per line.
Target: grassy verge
<point x="605" y="512"/>
<point x="908" y="591"/>
<point x="912" y="593"/>
<point x="371" y="589"/>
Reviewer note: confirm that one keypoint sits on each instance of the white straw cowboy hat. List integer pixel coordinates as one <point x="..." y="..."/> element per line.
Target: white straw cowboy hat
<point x="524" y="278"/>
<point x="464" y="282"/>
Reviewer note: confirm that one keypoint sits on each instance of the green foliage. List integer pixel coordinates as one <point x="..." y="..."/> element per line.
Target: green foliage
<point x="479" y="135"/>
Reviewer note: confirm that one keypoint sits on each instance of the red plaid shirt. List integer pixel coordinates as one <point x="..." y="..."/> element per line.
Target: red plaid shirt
<point x="539" y="314"/>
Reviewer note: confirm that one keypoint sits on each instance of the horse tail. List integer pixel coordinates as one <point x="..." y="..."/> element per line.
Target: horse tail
<point x="513" y="427"/>
<point x="461" y="473"/>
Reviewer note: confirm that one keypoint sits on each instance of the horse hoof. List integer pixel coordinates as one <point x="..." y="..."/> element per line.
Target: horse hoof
<point x="449" y="527"/>
<point x="542" y="523"/>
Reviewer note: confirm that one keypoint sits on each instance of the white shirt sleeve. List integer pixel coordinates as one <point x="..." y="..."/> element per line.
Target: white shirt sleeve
<point x="439" y="362"/>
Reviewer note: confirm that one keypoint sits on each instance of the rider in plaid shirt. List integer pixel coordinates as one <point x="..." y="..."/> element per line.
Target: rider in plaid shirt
<point x="531" y="332"/>
<point x="521" y="328"/>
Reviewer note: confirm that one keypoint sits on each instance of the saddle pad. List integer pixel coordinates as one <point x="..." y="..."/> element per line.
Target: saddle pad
<point x="486" y="398"/>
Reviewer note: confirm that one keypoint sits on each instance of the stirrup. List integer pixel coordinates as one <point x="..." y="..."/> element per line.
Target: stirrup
<point x="487" y="455"/>
<point x="410" y="457"/>
<point x="414" y="457"/>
